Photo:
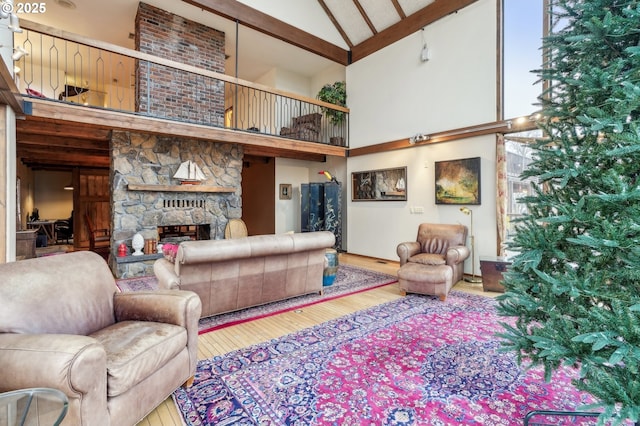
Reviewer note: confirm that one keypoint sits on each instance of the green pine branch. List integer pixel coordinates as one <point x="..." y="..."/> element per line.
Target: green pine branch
<point x="574" y="288"/>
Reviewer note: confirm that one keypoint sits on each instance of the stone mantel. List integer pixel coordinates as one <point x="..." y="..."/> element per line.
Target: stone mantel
<point x="179" y="188"/>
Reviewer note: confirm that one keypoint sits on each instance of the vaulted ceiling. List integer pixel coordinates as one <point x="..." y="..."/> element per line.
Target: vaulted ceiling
<point x="305" y="36"/>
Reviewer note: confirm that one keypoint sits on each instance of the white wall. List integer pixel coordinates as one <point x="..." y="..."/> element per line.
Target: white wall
<point x="375" y="228"/>
<point x="297" y="172"/>
<point x="394" y="95"/>
<point x="288" y="211"/>
<point x="50" y="198"/>
<point x="329" y="75"/>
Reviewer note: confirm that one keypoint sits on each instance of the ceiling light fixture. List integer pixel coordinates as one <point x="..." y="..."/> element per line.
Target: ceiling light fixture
<point x="420" y="137"/>
<point x="424" y="53"/>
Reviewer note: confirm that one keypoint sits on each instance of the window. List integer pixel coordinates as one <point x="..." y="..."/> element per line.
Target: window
<point x="518" y="152"/>
<point x="522" y="54"/>
<point x="523" y="26"/>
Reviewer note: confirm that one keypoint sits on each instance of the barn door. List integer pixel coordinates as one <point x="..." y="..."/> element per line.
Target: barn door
<point x="92" y="198"/>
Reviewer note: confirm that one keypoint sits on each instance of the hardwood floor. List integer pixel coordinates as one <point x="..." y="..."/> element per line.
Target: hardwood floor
<point x="221" y="341"/>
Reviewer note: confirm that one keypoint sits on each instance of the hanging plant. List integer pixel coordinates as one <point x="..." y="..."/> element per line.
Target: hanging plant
<point x="336" y="94"/>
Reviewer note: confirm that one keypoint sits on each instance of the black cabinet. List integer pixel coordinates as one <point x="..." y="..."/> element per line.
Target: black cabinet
<point x="321" y="209"/>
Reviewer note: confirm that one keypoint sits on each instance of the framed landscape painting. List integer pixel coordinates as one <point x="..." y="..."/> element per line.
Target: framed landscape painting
<point x="458" y="181"/>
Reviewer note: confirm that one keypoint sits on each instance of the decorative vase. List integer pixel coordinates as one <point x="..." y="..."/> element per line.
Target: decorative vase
<point x="330" y="267"/>
<point x="137" y="243"/>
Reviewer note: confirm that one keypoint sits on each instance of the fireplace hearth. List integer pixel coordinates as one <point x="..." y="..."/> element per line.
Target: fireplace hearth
<point x="177" y="233"/>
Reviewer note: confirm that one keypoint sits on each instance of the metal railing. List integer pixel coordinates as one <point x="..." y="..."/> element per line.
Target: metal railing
<point x="64" y="67"/>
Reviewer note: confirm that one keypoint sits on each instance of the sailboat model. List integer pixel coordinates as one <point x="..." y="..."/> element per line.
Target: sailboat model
<point x="189" y="173"/>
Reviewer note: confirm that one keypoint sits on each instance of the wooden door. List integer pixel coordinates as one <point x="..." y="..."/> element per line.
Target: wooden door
<point x="92" y="196"/>
<point x="258" y="195"/>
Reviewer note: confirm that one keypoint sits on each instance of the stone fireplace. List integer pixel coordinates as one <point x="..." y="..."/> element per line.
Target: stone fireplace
<point x="145" y="197"/>
<point x="148" y="200"/>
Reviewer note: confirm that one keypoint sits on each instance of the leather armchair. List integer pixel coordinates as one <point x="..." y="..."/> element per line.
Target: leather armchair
<point x="117" y="356"/>
<point x="438" y="248"/>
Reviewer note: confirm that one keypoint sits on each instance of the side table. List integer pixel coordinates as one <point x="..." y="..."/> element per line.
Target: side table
<point x="35" y="406"/>
<point x="492" y="268"/>
<point x="26" y="244"/>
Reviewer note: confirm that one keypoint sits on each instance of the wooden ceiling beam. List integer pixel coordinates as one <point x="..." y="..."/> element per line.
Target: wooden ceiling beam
<point x="60" y="137"/>
<point x="48" y="159"/>
<point x="266" y="152"/>
<point x="412" y="23"/>
<point x="9" y="93"/>
<point x="261" y="22"/>
<point x="398" y="7"/>
<point x="57" y="152"/>
<point x="335" y="23"/>
<point x="364" y="15"/>
<point x="134" y="123"/>
<point x="61" y="142"/>
<point x="49" y="127"/>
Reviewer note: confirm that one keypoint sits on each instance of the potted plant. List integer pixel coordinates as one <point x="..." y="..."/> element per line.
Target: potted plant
<point x="336" y="94"/>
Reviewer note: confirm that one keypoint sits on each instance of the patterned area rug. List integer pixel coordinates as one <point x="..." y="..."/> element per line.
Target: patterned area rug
<point x="137" y="284"/>
<point x="414" y="361"/>
<point x="349" y="280"/>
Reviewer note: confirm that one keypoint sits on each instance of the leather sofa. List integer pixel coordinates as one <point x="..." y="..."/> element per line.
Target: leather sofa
<point x="234" y="274"/>
<point x="116" y="356"/>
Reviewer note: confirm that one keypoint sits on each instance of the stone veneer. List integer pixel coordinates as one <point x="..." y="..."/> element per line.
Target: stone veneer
<point x="162" y="91"/>
<point x="153" y="160"/>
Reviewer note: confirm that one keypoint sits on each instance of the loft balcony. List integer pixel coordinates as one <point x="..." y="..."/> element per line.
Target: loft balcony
<point x="86" y="83"/>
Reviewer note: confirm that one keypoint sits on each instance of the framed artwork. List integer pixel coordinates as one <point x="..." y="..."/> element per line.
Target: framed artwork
<point x="285" y="191"/>
<point x="379" y="185"/>
<point x="458" y="181"/>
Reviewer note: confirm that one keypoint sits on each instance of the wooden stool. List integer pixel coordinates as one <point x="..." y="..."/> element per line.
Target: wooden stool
<point x="434" y="280"/>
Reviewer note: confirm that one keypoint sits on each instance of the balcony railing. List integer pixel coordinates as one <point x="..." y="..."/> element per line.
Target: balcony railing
<point x="64" y="67"/>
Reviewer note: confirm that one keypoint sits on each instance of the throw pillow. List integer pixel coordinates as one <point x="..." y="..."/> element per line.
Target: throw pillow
<point x="428" y="259"/>
<point x="170" y="250"/>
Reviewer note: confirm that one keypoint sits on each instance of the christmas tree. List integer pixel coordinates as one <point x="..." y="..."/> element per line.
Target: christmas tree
<point x="574" y="287"/>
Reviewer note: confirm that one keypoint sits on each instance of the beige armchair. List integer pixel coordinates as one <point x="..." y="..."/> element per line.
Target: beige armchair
<point x="64" y="325"/>
<point x="433" y="263"/>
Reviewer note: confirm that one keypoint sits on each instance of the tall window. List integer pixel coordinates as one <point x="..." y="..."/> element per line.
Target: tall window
<point x="523" y="26"/>
<point x="523" y="31"/>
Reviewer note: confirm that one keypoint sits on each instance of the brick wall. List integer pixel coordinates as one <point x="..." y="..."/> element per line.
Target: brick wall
<point x="165" y="92"/>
